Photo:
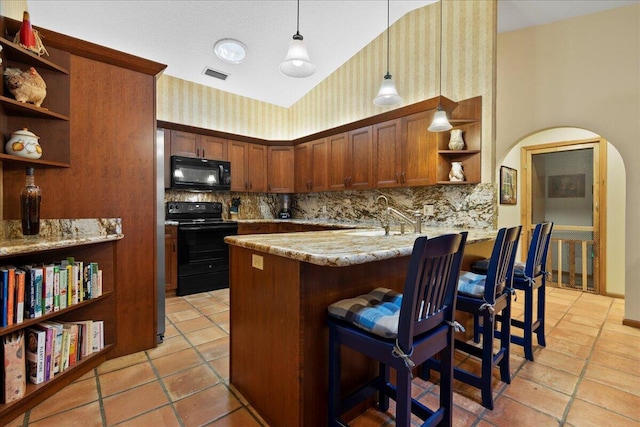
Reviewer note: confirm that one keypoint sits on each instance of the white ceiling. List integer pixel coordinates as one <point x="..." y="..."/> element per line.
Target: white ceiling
<point x="181" y="34"/>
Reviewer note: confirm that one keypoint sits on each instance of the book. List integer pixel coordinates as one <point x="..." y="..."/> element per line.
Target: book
<point x="4" y="284"/>
<point x="64" y="353"/>
<point x="14" y="378"/>
<point x="72" y="328"/>
<point x="97" y="335"/>
<point x="72" y="288"/>
<point x="56" y="288"/>
<point x="37" y="277"/>
<point x="29" y="293"/>
<point x="35" y="352"/>
<point x="86" y="337"/>
<point x="20" y="275"/>
<point x="47" y="289"/>
<point x="11" y="295"/>
<point x="64" y="286"/>
<point x="57" y="345"/>
<point x="79" y="272"/>
<point x="96" y="289"/>
<point x="48" y="349"/>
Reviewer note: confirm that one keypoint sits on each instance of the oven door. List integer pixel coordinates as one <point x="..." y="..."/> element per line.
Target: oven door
<point x="203" y="257"/>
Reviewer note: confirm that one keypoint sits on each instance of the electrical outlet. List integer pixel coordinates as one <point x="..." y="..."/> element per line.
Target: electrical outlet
<point x="427" y="210"/>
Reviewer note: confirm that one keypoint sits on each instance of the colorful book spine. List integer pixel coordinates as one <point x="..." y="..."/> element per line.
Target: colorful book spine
<point x="36" y="349"/>
<point x="30" y="293"/>
<point x="38" y="279"/>
<point x="64" y="356"/>
<point x="20" y="292"/>
<point x="95" y="291"/>
<point x="48" y="350"/>
<point x="79" y="271"/>
<point x="64" y="286"/>
<point x="56" y="288"/>
<point x="47" y="289"/>
<point x="72" y="289"/>
<point x="4" y="290"/>
<point x="57" y="345"/>
<point x="14" y="378"/>
<point x="11" y="295"/>
<point x="72" y="328"/>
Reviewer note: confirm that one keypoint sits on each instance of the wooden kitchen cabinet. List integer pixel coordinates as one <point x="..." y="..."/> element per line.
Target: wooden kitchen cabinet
<point x="171" y="257"/>
<point x="419" y="156"/>
<point x="189" y="144"/>
<point x="280" y="167"/>
<point x="466" y="117"/>
<point x="311" y="166"/>
<point x="248" y="166"/>
<point x="350" y="160"/>
<point x="255" y="227"/>
<point x="387" y="154"/>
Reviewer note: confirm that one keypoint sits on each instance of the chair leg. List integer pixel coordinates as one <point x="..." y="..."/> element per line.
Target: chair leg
<point x="403" y="398"/>
<point x="477" y="328"/>
<point x="528" y="323"/>
<point x="383" y="398"/>
<point x="541" y="308"/>
<point x="446" y="381"/>
<point x="334" y="377"/>
<point x="487" y="360"/>
<point x="505" y="342"/>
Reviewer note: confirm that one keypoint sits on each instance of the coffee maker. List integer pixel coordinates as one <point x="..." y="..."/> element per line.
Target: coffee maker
<point x="284" y="200"/>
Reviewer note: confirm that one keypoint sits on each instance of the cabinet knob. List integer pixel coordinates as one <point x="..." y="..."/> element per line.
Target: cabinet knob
<point x="398" y="177"/>
<point x="403" y="178"/>
<point x="197" y="152"/>
<point x="203" y="153"/>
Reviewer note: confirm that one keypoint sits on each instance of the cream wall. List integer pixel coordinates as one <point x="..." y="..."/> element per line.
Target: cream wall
<point x="508" y="215"/>
<point x="347" y="94"/>
<point x="582" y="72"/>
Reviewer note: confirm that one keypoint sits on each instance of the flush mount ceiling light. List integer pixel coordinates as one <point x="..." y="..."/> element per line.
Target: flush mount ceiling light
<point x="230" y="50"/>
<point x="387" y="95"/>
<point x="440" y="122"/>
<point x="297" y="63"/>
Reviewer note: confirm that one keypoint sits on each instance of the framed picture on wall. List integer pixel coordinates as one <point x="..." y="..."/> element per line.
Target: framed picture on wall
<point x="508" y="186"/>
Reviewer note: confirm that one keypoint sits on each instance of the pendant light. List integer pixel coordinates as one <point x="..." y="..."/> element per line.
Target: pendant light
<point x="297" y="63"/>
<point x="440" y="122"/>
<point x="387" y="95"/>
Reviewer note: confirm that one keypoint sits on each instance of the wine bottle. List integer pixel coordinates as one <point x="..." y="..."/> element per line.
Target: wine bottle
<point x="30" y="203"/>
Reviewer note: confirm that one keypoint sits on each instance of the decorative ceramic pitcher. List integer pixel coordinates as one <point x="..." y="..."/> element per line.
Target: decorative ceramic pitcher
<point x="24" y="143"/>
<point x="456" y="173"/>
<point x="456" y="142"/>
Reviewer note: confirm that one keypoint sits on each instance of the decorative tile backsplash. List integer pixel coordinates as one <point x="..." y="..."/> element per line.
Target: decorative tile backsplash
<point x="471" y="206"/>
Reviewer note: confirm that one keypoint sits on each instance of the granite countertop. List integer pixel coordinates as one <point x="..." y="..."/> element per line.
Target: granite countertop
<point x="316" y="221"/>
<point x="57" y="234"/>
<point x="339" y="248"/>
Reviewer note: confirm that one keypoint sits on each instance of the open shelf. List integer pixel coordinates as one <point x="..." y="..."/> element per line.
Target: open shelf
<point x="16" y="53"/>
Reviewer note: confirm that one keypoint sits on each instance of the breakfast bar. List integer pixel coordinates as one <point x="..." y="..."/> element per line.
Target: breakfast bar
<point x="280" y="288"/>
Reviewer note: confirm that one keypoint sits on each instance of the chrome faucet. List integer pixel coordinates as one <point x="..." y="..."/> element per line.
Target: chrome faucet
<point x="416" y="222"/>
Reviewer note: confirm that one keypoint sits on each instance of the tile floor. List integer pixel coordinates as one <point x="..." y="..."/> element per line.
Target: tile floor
<point x="588" y="375"/>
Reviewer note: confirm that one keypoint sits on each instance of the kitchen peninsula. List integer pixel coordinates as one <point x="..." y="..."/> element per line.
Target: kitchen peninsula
<point x="280" y="288"/>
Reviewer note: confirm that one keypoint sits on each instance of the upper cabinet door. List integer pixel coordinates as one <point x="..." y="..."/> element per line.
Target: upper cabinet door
<point x="360" y="159"/>
<point x="387" y="154"/>
<point x="280" y="168"/>
<point x="319" y="165"/>
<point x="238" y="159"/>
<point x="212" y="147"/>
<point x="183" y="143"/>
<point x="338" y="148"/>
<point x="302" y="168"/>
<point x="257" y="168"/>
<point x="419" y="150"/>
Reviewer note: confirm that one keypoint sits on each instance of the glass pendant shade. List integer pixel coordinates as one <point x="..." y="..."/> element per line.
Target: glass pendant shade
<point x="297" y="63"/>
<point x="440" y="122"/>
<point x="387" y="95"/>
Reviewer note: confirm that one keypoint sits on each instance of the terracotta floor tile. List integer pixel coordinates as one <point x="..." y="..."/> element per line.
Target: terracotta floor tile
<point x="187" y="382"/>
<point x="550" y="377"/>
<point x="170" y="331"/>
<point x="221" y="366"/>
<point x="194" y="324"/>
<point x="212" y="306"/>
<point x="133" y="402"/>
<point x="161" y="417"/>
<point x="206" y="406"/>
<point x="122" y="362"/>
<point x="567" y="347"/>
<point x="629" y="349"/>
<point x="175" y="305"/>
<point x="205" y="335"/>
<point x="226" y="327"/>
<point x="169" y="346"/>
<point x="573" y="336"/>
<point x="623" y="329"/>
<point x="537" y="396"/>
<point x="610" y="398"/>
<point x="123" y="379"/>
<point x="588" y="311"/>
<point x="214" y="349"/>
<point x="239" y="418"/>
<point x="585" y="414"/>
<point x="220" y="317"/>
<point x="177" y="362"/>
<point x="614" y="378"/>
<point x="74" y="395"/>
<point x="549" y="357"/>
<point x="372" y="418"/>
<point x="181" y="316"/>
<point x="83" y="416"/>
<point x="585" y="321"/>
<point x="509" y="413"/>
<point x="604" y="357"/>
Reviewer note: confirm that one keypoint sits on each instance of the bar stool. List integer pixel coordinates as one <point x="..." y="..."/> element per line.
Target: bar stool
<point x="486" y="296"/>
<point x="401" y="331"/>
<point x="529" y="277"/>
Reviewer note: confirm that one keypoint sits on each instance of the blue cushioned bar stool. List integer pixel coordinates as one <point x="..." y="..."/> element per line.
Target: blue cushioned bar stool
<point x="487" y="296"/>
<point x="529" y="277"/>
<point x="401" y="331"/>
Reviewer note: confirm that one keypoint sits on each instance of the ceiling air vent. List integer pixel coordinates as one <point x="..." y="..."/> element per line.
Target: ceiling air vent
<point x="215" y="73"/>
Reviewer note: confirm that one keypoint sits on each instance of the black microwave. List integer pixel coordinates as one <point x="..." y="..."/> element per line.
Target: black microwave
<point x="190" y="173"/>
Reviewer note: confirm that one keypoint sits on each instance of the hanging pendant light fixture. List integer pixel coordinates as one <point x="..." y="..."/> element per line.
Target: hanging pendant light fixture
<point x="297" y="63"/>
<point x="440" y="122"/>
<point x="387" y="95"/>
